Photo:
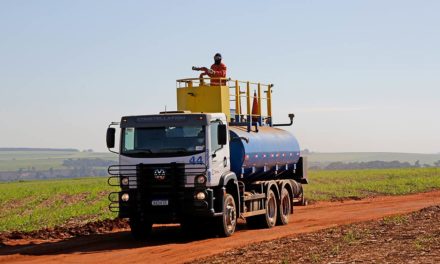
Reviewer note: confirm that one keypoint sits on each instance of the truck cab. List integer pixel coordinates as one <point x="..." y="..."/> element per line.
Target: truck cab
<point x="175" y="167"/>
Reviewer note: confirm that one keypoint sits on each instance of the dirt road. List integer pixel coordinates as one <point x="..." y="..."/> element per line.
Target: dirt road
<point x="169" y="246"/>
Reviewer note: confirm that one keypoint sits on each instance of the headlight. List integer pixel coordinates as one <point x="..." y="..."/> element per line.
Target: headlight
<point x="125" y="197"/>
<point x="200" y="196"/>
<point x="124" y="181"/>
<point x="200" y="179"/>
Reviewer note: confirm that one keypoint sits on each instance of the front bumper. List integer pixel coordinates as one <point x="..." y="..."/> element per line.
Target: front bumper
<point x="167" y="207"/>
<point x="165" y="199"/>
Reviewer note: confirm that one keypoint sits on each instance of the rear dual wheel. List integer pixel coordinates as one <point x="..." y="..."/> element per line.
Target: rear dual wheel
<point x="285" y="207"/>
<point x="269" y="219"/>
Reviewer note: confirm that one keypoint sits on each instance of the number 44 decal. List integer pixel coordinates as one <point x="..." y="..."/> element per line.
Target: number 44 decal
<point x="193" y="160"/>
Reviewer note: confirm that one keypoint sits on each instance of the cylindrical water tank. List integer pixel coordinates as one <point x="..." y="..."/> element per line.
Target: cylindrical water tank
<point x="263" y="150"/>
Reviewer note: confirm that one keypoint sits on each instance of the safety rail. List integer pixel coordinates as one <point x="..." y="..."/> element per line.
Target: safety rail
<point x="133" y="170"/>
<point x="241" y="91"/>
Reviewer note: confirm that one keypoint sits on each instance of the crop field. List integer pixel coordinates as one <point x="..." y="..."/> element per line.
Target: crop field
<point x="341" y="184"/>
<point x="32" y="205"/>
<point x="44" y="160"/>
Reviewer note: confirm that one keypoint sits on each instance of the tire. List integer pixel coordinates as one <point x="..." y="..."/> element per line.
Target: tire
<point x="284" y="208"/>
<point x="271" y="210"/>
<point x="140" y="228"/>
<point x="229" y="217"/>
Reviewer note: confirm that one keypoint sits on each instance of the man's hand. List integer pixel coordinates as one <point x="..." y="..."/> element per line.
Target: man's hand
<point x="210" y="71"/>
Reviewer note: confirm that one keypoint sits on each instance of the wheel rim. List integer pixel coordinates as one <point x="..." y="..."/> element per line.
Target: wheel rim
<point x="230" y="215"/>
<point x="271" y="208"/>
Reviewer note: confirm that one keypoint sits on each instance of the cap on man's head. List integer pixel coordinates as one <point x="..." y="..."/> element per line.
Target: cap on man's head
<point x="218" y="55"/>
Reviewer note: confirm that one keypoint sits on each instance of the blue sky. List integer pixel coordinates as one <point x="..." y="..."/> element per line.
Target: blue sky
<point x="359" y="75"/>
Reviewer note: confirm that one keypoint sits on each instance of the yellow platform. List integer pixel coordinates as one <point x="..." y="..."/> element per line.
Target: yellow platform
<point x="204" y="98"/>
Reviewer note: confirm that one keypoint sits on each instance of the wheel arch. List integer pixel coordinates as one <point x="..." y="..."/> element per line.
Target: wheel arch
<point x="229" y="182"/>
<point x="272" y="185"/>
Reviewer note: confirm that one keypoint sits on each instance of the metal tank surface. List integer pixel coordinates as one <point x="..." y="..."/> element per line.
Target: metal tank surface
<point x="261" y="153"/>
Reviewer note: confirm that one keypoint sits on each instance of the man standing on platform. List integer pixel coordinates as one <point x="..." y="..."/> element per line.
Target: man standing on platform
<point x="217" y="71"/>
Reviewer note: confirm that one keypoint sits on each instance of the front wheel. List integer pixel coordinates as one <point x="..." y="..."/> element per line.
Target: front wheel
<point x="229" y="217"/>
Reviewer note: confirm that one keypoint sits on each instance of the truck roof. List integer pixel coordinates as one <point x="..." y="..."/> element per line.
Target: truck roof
<point x="178" y="118"/>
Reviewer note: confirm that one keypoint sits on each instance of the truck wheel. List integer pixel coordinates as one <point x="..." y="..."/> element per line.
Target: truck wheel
<point x="140" y="229"/>
<point x="271" y="210"/>
<point x="304" y="201"/>
<point x="229" y="218"/>
<point x="284" y="207"/>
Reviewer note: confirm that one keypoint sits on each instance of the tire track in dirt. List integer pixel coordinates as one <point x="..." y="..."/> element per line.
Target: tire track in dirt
<point x="169" y="246"/>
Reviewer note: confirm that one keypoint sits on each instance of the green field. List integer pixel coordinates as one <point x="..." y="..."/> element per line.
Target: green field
<point x="44" y="160"/>
<point x="328" y="184"/>
<point x="32" y="205"/>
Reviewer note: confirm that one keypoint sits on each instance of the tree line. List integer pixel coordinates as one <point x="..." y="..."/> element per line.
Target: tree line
<point x="377" y="164"/>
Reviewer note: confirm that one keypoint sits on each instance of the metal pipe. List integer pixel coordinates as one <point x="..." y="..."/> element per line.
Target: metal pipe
<point x="291" y="116"/>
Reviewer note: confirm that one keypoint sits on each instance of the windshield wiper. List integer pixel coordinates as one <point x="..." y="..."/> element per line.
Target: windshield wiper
<point x="139" y="150"/>
<point x="178" y="150"/>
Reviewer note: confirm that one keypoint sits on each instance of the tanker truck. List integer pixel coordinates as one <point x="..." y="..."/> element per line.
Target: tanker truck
<point x="214" y="160"/>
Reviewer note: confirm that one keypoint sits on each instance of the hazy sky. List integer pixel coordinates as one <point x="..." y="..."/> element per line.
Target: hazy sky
<point x="359" y="75"/>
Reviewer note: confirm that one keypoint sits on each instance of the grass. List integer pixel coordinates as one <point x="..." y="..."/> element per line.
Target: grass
<point x="327" y="185"/>
<point x="395" y="220"/>
<point x="33" y="205"/>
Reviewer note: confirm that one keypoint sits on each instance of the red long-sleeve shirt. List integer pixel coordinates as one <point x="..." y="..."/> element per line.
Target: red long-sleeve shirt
<point x="219" y="72"/>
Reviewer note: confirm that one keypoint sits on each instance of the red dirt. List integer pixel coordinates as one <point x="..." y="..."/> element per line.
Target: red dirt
<point x="168" y="245"/>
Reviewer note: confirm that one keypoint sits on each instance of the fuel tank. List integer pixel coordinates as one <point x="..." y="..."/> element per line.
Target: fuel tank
<point x="263" y="152"/>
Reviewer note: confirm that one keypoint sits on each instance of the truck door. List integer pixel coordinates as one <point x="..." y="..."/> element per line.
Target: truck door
<point x="219" y="154"/>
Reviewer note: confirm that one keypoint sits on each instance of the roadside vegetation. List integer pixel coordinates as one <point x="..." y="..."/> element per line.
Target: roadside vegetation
<point x="33" y="205"/>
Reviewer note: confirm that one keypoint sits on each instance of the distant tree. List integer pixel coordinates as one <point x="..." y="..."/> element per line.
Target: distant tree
<point x="437" y="163"/>
<point x="368" y="165"/>
<point x="417" y="164"/>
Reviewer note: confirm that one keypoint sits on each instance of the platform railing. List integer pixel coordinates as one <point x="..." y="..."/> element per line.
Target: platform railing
<point x="241" y="91"/>
<point x="249" y="92"/>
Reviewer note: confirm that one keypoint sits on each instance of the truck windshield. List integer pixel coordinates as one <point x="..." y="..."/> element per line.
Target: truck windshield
<point x="163" y="141"/>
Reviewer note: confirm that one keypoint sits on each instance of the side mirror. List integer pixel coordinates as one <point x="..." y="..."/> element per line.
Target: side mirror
<point x="222" y="134"/>
<point x="110" y="138"/>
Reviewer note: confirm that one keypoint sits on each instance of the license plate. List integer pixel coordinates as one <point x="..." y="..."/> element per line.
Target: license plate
<point x="159" y="202"/>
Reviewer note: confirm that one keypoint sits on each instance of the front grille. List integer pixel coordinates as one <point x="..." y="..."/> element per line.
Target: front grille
<point x="151" y="185"/>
